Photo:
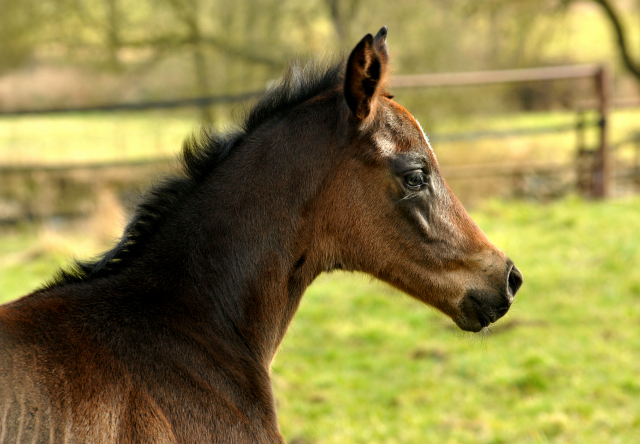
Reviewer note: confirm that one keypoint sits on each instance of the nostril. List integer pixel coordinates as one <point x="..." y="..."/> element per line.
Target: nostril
<point x="514" y="281"/>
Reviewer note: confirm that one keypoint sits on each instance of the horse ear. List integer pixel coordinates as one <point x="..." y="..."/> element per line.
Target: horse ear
<point x="380" y="42"/>
<point x="365" y="68"/>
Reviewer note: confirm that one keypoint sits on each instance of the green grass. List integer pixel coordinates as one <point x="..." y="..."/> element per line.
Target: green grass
<point x="30" y="255"/>
<point x="93" y="137"/>
<point x="360" y="366"/>
<point x="365" y="364"/>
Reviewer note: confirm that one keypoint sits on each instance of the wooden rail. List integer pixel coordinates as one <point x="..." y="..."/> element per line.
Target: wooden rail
<point x="451" y="172"/>
<point x="601" y="182"/>
<point x="500" y="76"/>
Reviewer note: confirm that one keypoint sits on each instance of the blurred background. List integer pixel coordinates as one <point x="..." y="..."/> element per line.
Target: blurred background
<point x="533" y="109"/>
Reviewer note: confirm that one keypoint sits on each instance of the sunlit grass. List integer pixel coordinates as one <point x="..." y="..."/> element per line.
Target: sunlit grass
<point x="360" y="366"/>
<point x="30" y="255"/>
<point x="92" y="137"/>
<point x="363" y="363"/>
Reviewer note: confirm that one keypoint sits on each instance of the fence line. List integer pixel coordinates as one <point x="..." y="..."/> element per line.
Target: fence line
<point x="400" y="81"/>
<point x="5" y="169"/>
<point x="498" y="76"/>
<point x="479" y="135"/>
<point x="142" y="106"/>
<point x="600" y="177"/>
<point x="600" y="168"/>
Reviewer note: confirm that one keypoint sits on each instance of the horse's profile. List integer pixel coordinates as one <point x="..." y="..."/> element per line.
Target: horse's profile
<point x="169" y="337"/>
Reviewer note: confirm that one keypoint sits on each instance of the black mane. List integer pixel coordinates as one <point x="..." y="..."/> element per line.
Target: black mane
<point x="200" y="155"/>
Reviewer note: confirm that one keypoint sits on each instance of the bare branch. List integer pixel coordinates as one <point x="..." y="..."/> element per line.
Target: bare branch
<point x="615" y="21"/>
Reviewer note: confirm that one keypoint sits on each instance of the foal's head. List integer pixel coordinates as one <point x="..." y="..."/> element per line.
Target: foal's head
<point x="389" y="212"/>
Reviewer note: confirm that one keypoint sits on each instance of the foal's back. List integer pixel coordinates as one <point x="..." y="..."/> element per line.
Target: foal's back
<point x="64" y="380"/>
<point x="52" y="375"/>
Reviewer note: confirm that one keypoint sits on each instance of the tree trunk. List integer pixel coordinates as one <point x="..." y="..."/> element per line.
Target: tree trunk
<point x="113" y="35"/>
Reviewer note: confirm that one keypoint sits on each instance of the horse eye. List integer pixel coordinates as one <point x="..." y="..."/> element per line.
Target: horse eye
<point x="414" y="180"/>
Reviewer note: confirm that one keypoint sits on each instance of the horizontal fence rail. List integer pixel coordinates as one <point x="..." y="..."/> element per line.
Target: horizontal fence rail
<point x="501" y="169"/>
<point x="142" y="106"/>
<point x="400" y="81"/>
<point x="480" y="135"/>
<point x="10" y="169"/>
<point x="499" y="76"/>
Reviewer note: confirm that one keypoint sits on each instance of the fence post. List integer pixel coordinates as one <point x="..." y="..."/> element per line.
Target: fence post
<point x="601" y="185"/>
<point x="584" y="157"/>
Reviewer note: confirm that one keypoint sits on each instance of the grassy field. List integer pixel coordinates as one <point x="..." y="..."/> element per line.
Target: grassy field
<point x="92" y="137"/>
<point x="365" y="364"/>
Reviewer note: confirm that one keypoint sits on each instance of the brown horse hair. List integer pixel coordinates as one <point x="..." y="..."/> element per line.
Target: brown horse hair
<point x="201" y="154"/>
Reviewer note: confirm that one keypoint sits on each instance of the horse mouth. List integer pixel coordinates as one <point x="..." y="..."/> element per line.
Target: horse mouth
<point x="484" y="319"/>
<point x="479" y="310"/>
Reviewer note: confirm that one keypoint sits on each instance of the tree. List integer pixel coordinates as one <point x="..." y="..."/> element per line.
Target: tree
<point x="342" y="14"/>
<point x="615" y="20"/>
<point x="19" y="22"/>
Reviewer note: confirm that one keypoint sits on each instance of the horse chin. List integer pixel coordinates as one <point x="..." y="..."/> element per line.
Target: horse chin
<point x="479" y="309"/>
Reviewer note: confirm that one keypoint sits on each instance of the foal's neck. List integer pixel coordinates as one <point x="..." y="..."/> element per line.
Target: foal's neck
<point x="245" y="241"/>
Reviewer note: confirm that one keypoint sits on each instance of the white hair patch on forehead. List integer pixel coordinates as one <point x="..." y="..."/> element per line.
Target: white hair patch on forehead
<point x="385" y="145"/>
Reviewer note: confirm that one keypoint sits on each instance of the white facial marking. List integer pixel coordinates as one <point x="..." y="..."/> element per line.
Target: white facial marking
<point x="385" y="145"/>
<point x="426" y="139"/>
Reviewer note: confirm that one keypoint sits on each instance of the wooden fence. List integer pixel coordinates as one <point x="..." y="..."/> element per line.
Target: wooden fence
<point x="21" y="187"/>
<point x="600" y="183"/>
